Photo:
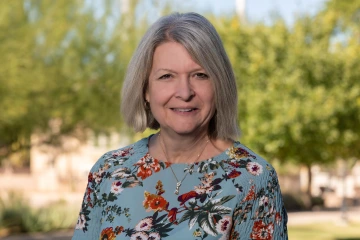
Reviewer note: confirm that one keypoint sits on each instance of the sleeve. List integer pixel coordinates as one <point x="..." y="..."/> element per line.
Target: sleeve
<point x="89" y="219"/>
<point x="260" y="211"/>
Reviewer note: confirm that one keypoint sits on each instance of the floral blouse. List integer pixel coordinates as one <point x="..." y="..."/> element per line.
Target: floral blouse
<point x="130" y="195"/>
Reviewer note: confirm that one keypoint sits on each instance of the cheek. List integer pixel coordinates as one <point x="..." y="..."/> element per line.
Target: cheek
<point x="158" y="100"/>
<point x="160" y="93"/>
<point x="150" y="94"/>
<point x="210" y="101"/>
<point x="209" y="97"/>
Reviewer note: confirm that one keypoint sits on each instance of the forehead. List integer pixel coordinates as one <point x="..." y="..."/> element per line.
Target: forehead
<point x="173" y="54"/>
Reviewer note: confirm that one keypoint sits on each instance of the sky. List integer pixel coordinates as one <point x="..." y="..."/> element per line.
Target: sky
<point x="256" y="10"/>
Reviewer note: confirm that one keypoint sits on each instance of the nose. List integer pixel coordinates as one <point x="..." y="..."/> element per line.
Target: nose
<point x="184" y="89"/>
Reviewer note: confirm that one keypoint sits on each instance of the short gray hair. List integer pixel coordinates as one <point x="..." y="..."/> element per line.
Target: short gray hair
<point x="204" y="45"/>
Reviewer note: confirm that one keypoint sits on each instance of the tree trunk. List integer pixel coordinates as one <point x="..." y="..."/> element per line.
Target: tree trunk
<point x="344" y="173"/>
<point x="308" y="190"/>
<point x="307" y="199"/>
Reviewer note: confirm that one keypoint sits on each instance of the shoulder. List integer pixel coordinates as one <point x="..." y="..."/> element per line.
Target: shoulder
<point x="255" y="165"/>
<point x="121" y="156"/>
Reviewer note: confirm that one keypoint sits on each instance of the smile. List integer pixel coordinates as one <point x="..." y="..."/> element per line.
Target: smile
<point x="184" y="109"/>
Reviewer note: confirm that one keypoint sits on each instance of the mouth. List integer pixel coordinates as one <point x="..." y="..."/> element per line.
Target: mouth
<point x="184" y="109"/>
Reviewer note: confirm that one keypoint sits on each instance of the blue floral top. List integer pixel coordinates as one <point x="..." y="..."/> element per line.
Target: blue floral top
<point x="130" y="195"/>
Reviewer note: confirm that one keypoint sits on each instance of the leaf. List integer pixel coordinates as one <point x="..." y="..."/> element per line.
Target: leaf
<point x="261" y="208"/>
<point x="211" y="221"/>
<point x="218" y="193"/>
<point x="222" y="210"/>
<point x="248" y="207"/>
<point x="243" y="163"/>
<point x="216" y="181"/>
<point x="205" y="222"/>
<point x="217" y="218"/>
<point x="129" y="232"/>
<point x="186" y="216"/>
<point x="155" y="216"/>
<point x="165" y="228"/>
<point x="203" y="197"/>
<point x="260" y="193"/>
<point x="162" y="164"/>
<point x="161" y="218"/>
<point x="216" y="187"/>
<point x="213" y="166"/>
<point x="222" y="164"/>
<point x="112" y="197"/>
<point x="201" y="167"/>
<point x="193" y="219"/>
<point x="223" y="200"/>
<point x="192" y="204"/>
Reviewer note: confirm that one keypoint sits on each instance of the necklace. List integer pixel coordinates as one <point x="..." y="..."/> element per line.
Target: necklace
<point x="178" y="183"/>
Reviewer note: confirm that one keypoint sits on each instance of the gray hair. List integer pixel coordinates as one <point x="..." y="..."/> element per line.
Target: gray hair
<point x="204" y="45"/>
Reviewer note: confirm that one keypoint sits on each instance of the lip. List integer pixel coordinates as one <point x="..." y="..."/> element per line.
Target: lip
<point x="185" y="110"/>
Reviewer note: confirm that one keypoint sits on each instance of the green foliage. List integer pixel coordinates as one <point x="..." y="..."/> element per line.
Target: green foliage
<point x="63" y="66"/>
<point x="334" y="229"/>
<point x="62" y="69"/>
<point x="347" y="11"/>
<point x="17" y="215"/>
<point x="298" y="89"/>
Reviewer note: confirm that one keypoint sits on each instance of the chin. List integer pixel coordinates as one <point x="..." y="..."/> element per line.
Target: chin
<point x="184" y="127"/>
<point x="186" y="131"/>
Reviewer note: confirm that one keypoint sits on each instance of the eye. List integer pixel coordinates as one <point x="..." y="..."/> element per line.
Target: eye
<point x="165" y="76"/>
<point x="201" y="76"/>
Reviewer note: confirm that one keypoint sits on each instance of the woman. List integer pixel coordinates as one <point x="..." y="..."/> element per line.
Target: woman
<point x="191" y="180"/>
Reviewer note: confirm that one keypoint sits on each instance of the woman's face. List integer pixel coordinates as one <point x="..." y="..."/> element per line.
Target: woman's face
<point x="180" y="92"/>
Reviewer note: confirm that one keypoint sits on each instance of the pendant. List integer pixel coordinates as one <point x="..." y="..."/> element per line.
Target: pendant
<point x="178" y="184"/>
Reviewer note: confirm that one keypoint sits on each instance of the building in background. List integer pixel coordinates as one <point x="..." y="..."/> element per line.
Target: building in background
<point x="58" y="173"/>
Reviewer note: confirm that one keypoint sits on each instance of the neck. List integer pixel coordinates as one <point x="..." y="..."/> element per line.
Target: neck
<point x="182" y="148"/>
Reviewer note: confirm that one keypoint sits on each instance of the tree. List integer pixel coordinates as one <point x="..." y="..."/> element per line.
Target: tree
<point x="292" y="81"/>
<point x="63" y="66"/>
<point x="347" y="12"/>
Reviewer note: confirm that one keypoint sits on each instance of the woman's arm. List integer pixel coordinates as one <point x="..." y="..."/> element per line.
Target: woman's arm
<point x="89" y="219"/>
<point x="260" y="212"/>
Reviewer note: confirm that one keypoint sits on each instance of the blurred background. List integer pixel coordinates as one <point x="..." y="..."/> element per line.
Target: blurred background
<point x="62" y="65"/>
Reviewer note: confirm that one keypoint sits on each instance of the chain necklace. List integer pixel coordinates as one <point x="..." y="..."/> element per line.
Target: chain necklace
<point x="178" y="183"/>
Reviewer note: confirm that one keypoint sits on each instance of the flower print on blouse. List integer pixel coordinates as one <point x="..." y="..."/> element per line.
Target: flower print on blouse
<point x="130" y="195"/>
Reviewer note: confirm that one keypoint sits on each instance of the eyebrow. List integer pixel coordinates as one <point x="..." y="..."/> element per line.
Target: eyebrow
<point x="172" y="71"/>
<point x="164" y="69"/>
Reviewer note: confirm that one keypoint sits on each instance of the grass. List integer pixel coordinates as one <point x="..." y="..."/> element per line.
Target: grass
<point x="16" y="216"/>
<point x="325" y="231"/>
